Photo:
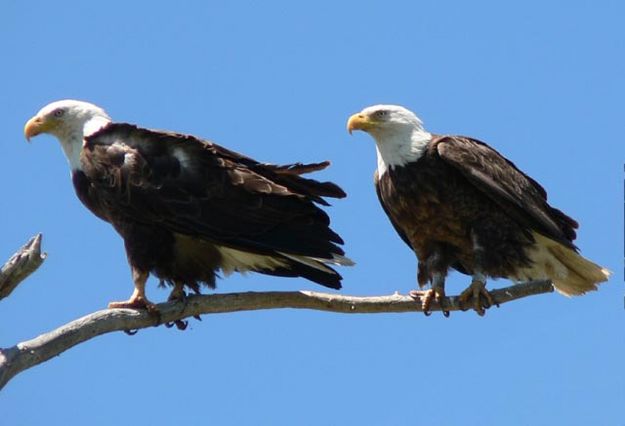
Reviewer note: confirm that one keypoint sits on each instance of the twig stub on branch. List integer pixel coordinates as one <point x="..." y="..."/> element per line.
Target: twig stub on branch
<point x="21" y="265"/>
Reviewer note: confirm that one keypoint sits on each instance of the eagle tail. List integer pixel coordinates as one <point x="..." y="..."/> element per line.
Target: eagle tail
<point x="280" y="264"/>
<point x="579" y="274"/>
<point x="317" y="269"/>
<point x="312" y="268"/>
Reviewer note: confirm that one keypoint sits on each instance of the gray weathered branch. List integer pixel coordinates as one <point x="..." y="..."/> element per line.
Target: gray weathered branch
<point x="21" y="265"/>
<point x="27" y="354"/>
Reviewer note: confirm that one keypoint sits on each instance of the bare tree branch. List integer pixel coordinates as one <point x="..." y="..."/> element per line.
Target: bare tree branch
<point x="21" y="265"/>
<point x="27" y="354"/>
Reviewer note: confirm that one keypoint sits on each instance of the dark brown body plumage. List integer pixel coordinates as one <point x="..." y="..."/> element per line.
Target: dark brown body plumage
<point x="186" y="207"/>
<point x="465" y="206"/>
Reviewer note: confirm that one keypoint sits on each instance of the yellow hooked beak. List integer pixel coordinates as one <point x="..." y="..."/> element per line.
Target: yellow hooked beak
<point x="36" y="126"/>
<point x="359" y="121"/>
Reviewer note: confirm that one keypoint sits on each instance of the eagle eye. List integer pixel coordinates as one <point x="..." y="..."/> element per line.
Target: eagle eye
<point x="58" y="112"/>
<point x="381" y="113"/>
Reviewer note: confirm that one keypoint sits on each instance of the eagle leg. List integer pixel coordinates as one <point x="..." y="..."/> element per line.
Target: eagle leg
<point x="137" y="300"/>
<point x="177" y="294"/>
<point x="437" y="292"/>
<point x="477" y="295"/>
<point x="476" y="292"/>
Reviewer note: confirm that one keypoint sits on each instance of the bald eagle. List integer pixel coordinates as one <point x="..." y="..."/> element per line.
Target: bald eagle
<point x="187" y="208"/>
<point x="458" y="203"/>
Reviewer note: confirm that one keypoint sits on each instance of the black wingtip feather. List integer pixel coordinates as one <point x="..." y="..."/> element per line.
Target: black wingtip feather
<point x="298" y="168"/>
<point x="295" y="269"/>
<point x="289" y="175"/>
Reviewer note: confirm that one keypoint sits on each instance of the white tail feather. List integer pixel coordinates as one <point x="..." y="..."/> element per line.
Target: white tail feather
<point x="579" y="274"/>
<point x="318" y="263"/>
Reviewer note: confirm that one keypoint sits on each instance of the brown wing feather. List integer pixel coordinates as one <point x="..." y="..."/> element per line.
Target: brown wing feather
<point x="297" y="168"/>
<point x="498" y="178"/>
<point x="288" y="174"/>
<point x="198" y="188"/>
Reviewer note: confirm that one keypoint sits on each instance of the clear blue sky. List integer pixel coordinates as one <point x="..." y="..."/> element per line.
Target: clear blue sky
<point x="540" y="81"/>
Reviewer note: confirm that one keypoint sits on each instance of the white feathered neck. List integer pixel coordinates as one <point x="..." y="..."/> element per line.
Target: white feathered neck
<point x="398" y="150"/>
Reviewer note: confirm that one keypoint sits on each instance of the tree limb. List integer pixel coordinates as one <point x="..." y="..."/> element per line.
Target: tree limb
<point x="21" y="265"/>
<point x="27" y="354"/>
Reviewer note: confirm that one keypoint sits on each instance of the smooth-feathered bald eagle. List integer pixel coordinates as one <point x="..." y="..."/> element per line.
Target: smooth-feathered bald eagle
<point x="460" y="204"/>
<point x="188" y="208"/>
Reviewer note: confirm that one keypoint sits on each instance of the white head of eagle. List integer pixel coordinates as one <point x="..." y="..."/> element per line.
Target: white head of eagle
<point x="70" y="121"/>
<point x="399" y="134"/>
